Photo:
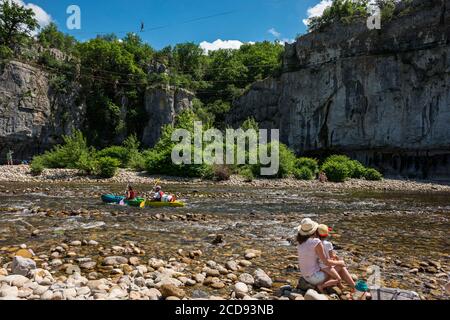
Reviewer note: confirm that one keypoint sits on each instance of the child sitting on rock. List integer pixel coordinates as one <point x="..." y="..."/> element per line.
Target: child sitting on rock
<point x="324" y="232"/>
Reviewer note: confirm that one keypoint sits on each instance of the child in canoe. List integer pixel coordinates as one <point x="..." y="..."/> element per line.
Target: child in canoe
<point x="160" y="196"/>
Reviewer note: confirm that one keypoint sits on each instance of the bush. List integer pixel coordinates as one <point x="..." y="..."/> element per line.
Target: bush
<point x="5" y="52"/>
<point x="221" y="173"/>
<point x="373" y="175"/>
<point x="287" y="162"/>
<point x="355" y="168"/>
<point x="107" y="167"/>
<point x="304" y="173"/>
<point x="37" y="166"/>
<point x="247" y="174"/>
<point x="116" y="152"/>
<point x="340" y="11"/>
<point x="136" y="161"/>
<point x="336" y="171"/>
<point x="88" y="163"/>
<point x="68" y="154"/>
<point x="311" y="164"/>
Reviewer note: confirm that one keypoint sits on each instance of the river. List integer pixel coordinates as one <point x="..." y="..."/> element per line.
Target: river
<point x="405" y="234"/>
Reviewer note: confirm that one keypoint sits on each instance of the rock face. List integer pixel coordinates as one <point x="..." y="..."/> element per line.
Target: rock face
<point x="162" y="105"/>
<point x="33" y="115"/>
<point x="381" y="96"/>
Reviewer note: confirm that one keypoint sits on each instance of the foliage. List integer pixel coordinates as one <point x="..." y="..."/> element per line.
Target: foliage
<point x="159" y="159"/>
<point x="51" y="37"/>
<point x="68" y="154"/>
<point x="247" y="173"/>
<point x="37" y="166"/>
<point x="287" y="161"/>
<point x="303" y="173"/>
<point x="340" y="11"/>
<point x="339" y="168"/>
<point x="107" y="167"/>
<point x="5" y="52"/>
<point x="373" y="175"/>
<point x="336" y="171"/>
<point x="311" y="164"/>
<point x="355" y="168"/>
<point x="387" y="8"/>
<point x="116" y="152"/>
<point x="16" y="24"/>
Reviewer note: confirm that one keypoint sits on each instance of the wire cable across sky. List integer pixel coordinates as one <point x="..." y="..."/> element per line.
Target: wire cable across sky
<point x="143" y="30"/>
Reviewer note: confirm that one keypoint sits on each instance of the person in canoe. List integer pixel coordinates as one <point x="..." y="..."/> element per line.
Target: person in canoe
<point x="160" y="196"/>
<point x="131" y="194"/>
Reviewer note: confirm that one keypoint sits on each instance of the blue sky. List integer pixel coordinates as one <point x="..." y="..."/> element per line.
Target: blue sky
<point x="245" y="20"/>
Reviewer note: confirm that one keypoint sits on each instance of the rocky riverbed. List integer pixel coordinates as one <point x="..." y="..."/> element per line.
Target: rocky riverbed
<point x="58" y="241"/>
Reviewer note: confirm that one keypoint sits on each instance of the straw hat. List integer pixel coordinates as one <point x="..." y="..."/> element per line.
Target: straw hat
<point x="308" y="227"/>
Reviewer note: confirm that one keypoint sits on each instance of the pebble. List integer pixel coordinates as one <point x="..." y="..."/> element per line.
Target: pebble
<point x="168" y="290"/>
<point x="247" y="279"/>
<point x="115" y="260"/>
<point x="134" y="261"/>
<point x="241" y="290"/>
<point x="200" y="278"/>
<point x="15" y="280"/>
<point x="251" y="254"/>
<point x="232" y="265"/>
<point x="156" y="263"/>
<point x="22" y="266"/>
<point x="9" y="291"/>
<point x="88" y="265"/>
<point x="262" y="279"/>
<point x="47" y="295"/>
<point x="314" y="295"/>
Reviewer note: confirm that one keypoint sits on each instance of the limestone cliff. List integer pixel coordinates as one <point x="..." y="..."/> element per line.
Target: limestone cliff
<point x="381" y="96"/>
<point x="162" y="105"/>
<point x="33" y="117"/>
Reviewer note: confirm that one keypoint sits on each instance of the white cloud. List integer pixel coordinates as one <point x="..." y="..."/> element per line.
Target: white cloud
<point x="317" y="10"/>
<point x="286" y="40"/>
<point x="42" y="17"/>
<point x="274" y="32"/>
<point x="221" y="44"/>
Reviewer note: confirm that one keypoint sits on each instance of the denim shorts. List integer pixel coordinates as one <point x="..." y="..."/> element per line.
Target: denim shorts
<point x="317" y="278"/>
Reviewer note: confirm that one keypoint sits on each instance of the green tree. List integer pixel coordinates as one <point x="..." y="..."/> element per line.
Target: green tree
<point x="340" y="11"/>
<point x="51" y="37"/>
<point x="16" y="24"/>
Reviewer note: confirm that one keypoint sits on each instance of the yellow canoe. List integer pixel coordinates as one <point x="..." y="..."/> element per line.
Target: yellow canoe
<point x="159" y="204"/>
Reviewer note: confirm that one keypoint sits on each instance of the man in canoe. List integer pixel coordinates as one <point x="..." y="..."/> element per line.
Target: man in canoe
<point x="160" y="196"/>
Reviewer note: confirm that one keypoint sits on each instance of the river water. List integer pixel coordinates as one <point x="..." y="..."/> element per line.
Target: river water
<point x="396" y="231"/>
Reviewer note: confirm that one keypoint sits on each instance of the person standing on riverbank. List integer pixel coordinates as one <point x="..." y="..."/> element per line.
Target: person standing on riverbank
<point x="9" y="158"/>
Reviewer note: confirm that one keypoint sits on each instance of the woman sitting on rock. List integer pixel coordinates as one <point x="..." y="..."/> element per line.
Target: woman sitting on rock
<point x="310" y="250"/>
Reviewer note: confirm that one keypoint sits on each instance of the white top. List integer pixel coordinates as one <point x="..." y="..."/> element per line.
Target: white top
<point x="327" y="246"/>
<point x="308" y="261"/>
